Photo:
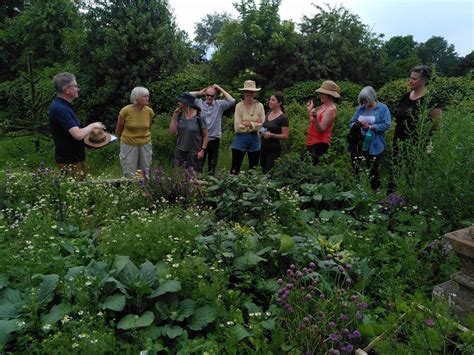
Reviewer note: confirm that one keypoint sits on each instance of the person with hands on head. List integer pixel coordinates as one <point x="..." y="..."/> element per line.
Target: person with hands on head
<point x="191" y="131"/>
<point x="248" y="119"/>
<point x="274" y="128"/>
<point x="133" y="129"/>
<point x="212" y="111"/>
<point x="372" y="120"/>
<point x="322" y="120"/>
<point x="68" y="136"/>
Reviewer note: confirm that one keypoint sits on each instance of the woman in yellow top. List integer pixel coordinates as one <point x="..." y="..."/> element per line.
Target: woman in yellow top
<point x="248" y="119"/>
<point x="133" y="129"/>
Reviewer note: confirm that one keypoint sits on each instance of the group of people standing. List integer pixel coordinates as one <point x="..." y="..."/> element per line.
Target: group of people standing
<point x="197" y="123"/>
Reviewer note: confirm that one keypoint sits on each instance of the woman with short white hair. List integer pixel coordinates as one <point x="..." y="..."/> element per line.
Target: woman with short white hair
<point x="133" y="129"/>
<point x="367" y="137"/>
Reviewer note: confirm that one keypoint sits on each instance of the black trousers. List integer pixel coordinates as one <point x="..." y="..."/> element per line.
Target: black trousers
<point x="268" y="155"/>
<point x="317" y="150"/>
<point x="360" y="159"/>
<point x="212" y="155"/>
<point x="238" y="158"/>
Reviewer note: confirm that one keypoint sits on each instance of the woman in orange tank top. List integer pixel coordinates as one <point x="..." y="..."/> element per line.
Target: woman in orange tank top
<point x="322" y="120"/>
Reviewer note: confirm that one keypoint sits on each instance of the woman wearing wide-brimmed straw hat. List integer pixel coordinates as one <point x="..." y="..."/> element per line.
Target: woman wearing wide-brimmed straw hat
<point x="133" y="129"/>
<point x="322" y="120"/>
<point x="248" y="119"/>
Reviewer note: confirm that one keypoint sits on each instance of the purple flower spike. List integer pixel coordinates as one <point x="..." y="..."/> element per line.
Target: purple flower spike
<point x="331" y="324"/>
<point x="292" y="266"/>
<point x="349" y="348"/>
<point x="362" y="305"/>
<point x="334" y="351"/>
<point x="356" y="334"/>
<point x="320" y="314"/>
<point x="329" y="257"/>
<point x="308" y="297"/>
<point x="312" y="265"/>
<point x="322" y="296"/>
<point x="280" y="282"/>
<point x="305" y="320"/>
<point x="344" y="317"/>
<point x="289" y="286"/>
<point x="299" y="274"/>
<point x="333" y="336"/>
<point x="340" y="269"/>
<point x="305" y="270"/>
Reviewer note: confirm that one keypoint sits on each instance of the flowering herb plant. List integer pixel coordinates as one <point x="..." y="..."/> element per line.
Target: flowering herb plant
<point x="320" y="313"/>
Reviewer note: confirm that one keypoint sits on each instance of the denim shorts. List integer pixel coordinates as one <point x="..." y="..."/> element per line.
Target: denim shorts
<point x="247" y="142"/>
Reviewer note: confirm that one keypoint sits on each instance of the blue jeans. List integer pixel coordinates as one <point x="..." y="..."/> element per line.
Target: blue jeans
<point x="247" y="142"/>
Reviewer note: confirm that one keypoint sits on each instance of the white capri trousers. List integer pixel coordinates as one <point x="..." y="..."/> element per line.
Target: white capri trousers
<point x="135" y="157"/>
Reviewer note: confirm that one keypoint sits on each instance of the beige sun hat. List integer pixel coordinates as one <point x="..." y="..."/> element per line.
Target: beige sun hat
<point x="329" y="87"/>
<point x="97" y="138"/>
<point x="249" y="85"/>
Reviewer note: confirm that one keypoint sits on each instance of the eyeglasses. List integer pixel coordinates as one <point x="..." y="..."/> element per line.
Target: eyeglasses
<point x="208" y="95"/>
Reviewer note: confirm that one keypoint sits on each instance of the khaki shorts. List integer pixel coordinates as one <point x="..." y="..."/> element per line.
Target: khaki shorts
<point x="135" y="157"/>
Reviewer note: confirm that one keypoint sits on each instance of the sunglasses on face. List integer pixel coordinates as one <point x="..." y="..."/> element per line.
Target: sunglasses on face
<point x="209" y="95"/>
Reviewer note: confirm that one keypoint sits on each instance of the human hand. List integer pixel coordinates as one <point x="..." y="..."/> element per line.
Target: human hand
<point x="201" y="154"/>
<point x="217" y="87"/>
<point x="267" y="135"/>
<point x="259" y="121"/>
<point x="99" y="125"/>
<point x="176" y="112"/>
<point x="310" y="106"/>
<point x="365" y="124"/>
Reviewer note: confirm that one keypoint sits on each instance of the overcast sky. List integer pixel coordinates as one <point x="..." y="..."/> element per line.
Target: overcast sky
<point x="451" y="19"/>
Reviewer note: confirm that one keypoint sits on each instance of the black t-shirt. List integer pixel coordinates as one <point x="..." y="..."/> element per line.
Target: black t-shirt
<point x="274" y="126"/>
<point x="408" y="111"/>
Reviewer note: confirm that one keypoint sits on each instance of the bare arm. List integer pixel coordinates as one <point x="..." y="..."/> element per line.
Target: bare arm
<point x="227" y="96"/>
<point x="173" y="128"/>
<point x="201" y="92"/>
<point x="203" y="143"/>
<point x="80" y="133"/>
<point x="119" y="128"/>
<point x="329" y="116"/>
<point x="284" y="135"/>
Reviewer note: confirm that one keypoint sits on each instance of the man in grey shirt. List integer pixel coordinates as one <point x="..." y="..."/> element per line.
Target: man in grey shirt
<point x="212" y="111"/>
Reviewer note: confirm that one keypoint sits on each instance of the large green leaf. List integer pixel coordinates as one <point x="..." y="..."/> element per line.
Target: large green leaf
<point x="6" y="328"/>
<point x="56" y="313"/>
<point x="131" y="321"/>
<point x="119" y="263"/>
<point x="114" y="302"/>
<point x="162" y="270"/>
<point x="167" y="286"/>
<point x="202" y="317"/>
<point x="171" y="331"/>
<point x="130" y="274"/>
<point x="163" y="310"/>
<point x="113" y="284"/>
<point x="73" y="272"/>
<point x="11" y="296"/>
<point x="240" y="332"/>
<point x="286" y="243"/>
<point x="7" y="311"/>
<point x="46" y="289"/>
<point x="3" y="281"/>
<point x="247" y="261"/>
<point x="148" y="273"/>
<point x="185" y="310"/>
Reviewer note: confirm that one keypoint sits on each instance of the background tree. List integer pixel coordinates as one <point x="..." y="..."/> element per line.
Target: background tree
<point x="128" y="43"/>
<point x="400" y="57"/>
<point x="43" y="29"/>
<point x="436" y="51"/>
<point x="466" y="64"/>
<point x="207" y="29"/>
<point x="257" y="42"/>
<point x="341" y="46"/>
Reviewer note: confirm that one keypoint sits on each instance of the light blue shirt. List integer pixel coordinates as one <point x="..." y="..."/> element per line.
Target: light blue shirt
<point x="212" y="114"/>
<point x="381" y="124"/>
